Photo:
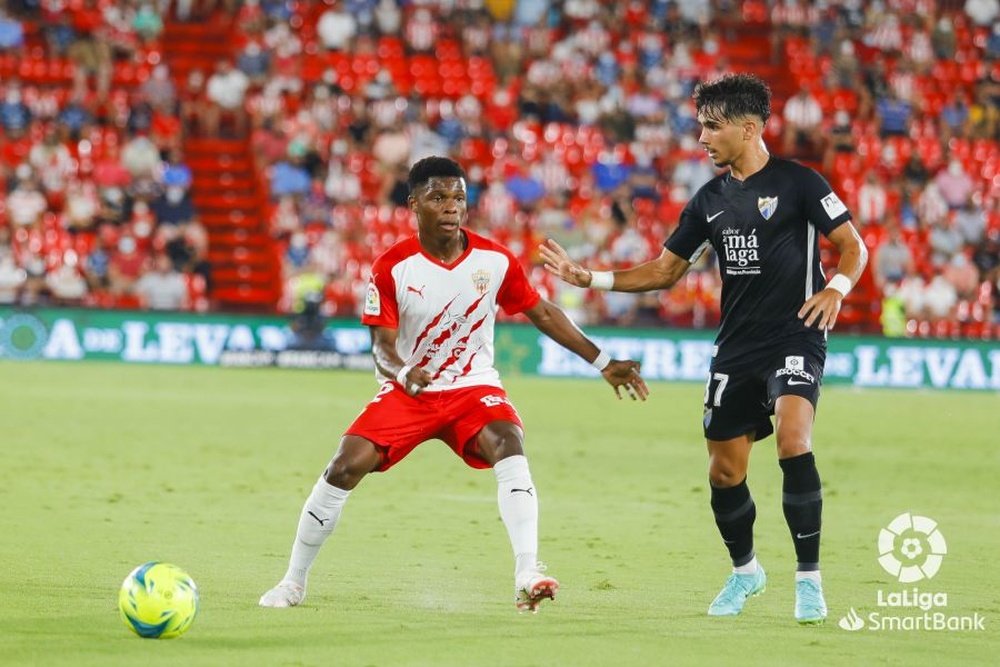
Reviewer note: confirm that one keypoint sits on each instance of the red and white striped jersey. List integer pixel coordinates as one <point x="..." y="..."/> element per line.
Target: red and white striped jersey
<point x="444" y="314"/>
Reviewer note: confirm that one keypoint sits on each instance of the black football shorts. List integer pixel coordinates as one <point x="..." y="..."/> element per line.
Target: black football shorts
<point x="740" y="394"/>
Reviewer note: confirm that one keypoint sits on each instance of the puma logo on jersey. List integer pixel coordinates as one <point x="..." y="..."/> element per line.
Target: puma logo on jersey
<point x="418" y="292"/>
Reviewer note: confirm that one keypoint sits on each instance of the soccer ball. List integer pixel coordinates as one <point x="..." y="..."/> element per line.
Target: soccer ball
<point x="158" y="600"/>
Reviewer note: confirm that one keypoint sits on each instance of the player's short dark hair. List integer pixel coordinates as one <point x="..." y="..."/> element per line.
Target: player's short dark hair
<point x="733" y="96"/>
<point x="429" y="167"/>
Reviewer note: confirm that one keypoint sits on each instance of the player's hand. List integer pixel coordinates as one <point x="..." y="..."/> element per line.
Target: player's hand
<point x="625" y="374"/>
<point x="558" y="263"/>
<point x="416" y="380"/>
<point x="822" y="309"/>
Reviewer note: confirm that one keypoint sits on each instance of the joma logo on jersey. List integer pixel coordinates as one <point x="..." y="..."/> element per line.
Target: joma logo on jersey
<point x="741" y="252"/>
<point x="767" y="206"/>
<point x="481" y="280"/>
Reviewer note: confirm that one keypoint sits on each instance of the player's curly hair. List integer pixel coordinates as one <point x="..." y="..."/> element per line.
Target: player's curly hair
<point x="733" y="96"/>
<point x="426" y="169"/>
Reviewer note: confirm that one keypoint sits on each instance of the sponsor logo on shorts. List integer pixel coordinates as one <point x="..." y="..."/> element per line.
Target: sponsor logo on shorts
<point x="797" y="373"/>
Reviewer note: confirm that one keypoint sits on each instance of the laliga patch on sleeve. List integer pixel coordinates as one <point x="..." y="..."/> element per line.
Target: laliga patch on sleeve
<point x="832" y="205"/>
<point x="373" y="302"/>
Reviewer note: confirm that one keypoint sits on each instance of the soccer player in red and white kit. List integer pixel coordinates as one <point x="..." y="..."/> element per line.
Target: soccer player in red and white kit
<point x="431" y="306"/>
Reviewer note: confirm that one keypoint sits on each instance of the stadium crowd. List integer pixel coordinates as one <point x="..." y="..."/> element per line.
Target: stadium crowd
<point x="573" y="120"/>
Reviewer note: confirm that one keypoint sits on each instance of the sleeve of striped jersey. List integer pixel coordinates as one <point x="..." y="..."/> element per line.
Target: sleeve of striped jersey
<point x="516" y="294"/>
<point x="691" y="234"/>
<point x="821" y="205"/>
<point x="380" y="308"/>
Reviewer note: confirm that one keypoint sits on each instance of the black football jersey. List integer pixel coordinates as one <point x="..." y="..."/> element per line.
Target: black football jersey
<point x="764" y="233"/>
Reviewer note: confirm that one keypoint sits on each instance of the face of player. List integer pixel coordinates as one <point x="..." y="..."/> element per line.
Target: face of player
<point x="724" y="140"/>
<point x="440" y="206"/>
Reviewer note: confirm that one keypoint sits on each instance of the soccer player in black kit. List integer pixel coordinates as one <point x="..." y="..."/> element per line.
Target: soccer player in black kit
<point x="761" y="217"/>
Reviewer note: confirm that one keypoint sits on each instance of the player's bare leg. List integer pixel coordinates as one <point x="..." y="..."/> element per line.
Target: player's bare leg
<point x="355" y="458"/>
<point x="500" y="444"/>
<point x="735" y="513"/>
<point x="802" y="501"/>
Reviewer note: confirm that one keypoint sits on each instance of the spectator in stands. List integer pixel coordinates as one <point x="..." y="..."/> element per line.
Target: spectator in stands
<point x="159" y="89"/>
<point x="954" y="184"/>
<point x="343" y="186"/>
<point x="940" y="298"/>
<point x="893" y="114"/>
<point x="125" y="266"/>
<point x="255" y="62"/>
<point x="963" y="276"/>
<point x="193" y="100"/>
<point x="970" y="221"/>
<point x="336" y="28"/>
<point x="872" y="200"/>
<point x="11" y="32"/>
<point x="915" y="171"/>
<point x="931" y="205"/>
<point x="993" y="42"/>
<point x="982" y="12"/>
<point x="893" y="259"/>
<point x="75" y="117"/>
<point x="52" y="162"/>
<point x="289" y="176"/>
<point x="803" y="123"/>
<point x="225" y="93"/>
<point x="66" y="285"/>
<point x="15" y="116"/>
<point x="984" y="116"/>
<point x="391" y="147"/>
<point x="82" y="205"/>
<point x="90" y="54"/>
<point x="174" y="206"/>
<point x="388" y="17"/>
<point x="162" y="287"/>
<point x="60" y="35"/>
<point x="26" y="204"/>
<point x="148" y="23"/>
<point x="945" y="242"/>
<point x="141" y="157"/>
<point x="943" y="39"/>
<point x="954" y="115"/>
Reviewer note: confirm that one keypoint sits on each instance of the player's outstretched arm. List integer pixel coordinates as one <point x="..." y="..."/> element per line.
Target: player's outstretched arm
<point x="387" y="360"/>
<point x="620" y="374"/>
<point x="823" y="307"/>
<point x="659" y="273"/>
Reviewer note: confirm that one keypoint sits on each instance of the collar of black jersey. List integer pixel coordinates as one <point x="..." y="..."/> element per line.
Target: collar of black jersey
<point x="733" y="181"/>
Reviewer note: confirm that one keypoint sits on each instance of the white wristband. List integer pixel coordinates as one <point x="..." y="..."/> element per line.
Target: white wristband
<point x="604" y="280"/>
<point x="401" y="375"/>
<point x="841" y="283"/>
<point x="602" y="360"/>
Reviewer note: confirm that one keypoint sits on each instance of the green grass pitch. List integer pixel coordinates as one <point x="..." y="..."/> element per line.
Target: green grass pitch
<point x="105" y="466"/>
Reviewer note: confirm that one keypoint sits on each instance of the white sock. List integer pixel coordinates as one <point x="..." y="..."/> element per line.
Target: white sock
<point x="747" y="568"/>
<point x="518" y="503"/>
<point x="809" y="574"/>
<point x="316" y="523"/>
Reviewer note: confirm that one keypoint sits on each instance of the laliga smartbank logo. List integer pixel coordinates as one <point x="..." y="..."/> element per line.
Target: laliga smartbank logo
<point x="911" y="548"/>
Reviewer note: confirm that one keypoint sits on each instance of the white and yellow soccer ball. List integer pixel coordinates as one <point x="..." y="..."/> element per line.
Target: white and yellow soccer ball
<point x="158" y="600"/>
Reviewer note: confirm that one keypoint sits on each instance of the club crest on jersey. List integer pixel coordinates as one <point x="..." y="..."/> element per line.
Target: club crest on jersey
<point x="481" y="280"/>
<point x="767" y="206"/>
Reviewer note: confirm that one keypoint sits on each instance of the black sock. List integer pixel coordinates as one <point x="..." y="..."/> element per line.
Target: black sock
<point x="802" y="501"/>
<point x="734" y="515"/>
